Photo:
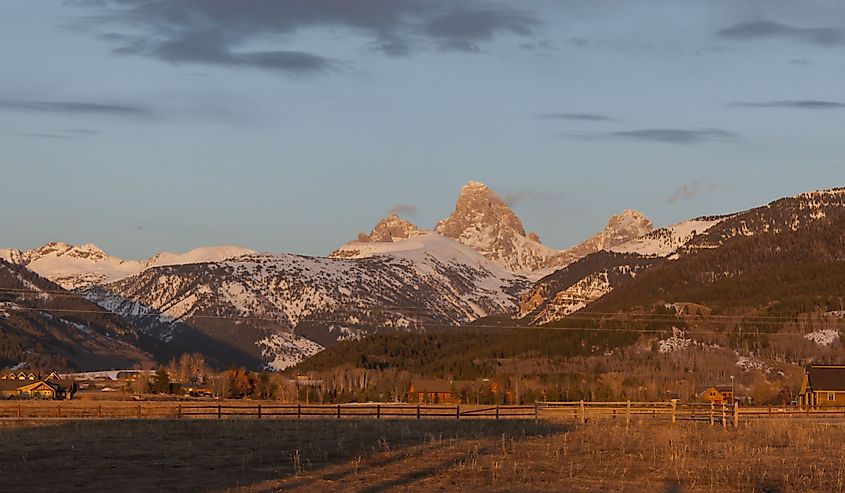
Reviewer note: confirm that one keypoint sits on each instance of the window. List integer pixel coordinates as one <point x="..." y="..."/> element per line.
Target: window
<point x="831" y="396"/>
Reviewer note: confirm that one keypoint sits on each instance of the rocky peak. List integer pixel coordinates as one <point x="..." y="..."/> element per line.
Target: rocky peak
<point x="478" y="207"/>
<point x="624" y="227"/>
<point x="484" y="222"/>
<point x="391" y="229"/>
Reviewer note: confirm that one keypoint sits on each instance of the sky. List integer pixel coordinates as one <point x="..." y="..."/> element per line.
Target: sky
<point x="292" y="125"/>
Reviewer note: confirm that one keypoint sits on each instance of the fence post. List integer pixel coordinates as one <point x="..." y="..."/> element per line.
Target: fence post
<point x="583" y="413"/>
<point x="628" y="413"/>
<point x="259" y="411"/>
<point x="99" y="411"/>
<point x="736" y="414"/>
<point x="724" y="417"/>
<point x="179" y="411"/>
<point x="674" y="411"/>
<point x="497" y="411"/>
<point x="139" y="411"/>
<point x="536" y="411"/>
<point x="418" y="411"/>
<point x="338" y="411"/>
<point x="219" y="411"/>
<point x="298" y="411"/>
<point x="378" y="411"/>
<point x="458" y="412"/>
<point x="712" y="411"/>
<point x="19" y="410"/>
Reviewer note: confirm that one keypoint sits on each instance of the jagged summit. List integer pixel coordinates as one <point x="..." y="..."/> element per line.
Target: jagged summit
<point x="391" y="229"/>
<point x="484" y="222"/>
<point x="479" y="207"/>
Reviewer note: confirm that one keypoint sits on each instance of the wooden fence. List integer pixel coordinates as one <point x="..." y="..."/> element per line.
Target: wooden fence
<point x="583" y="412"/>
<point x="124" y="410"/>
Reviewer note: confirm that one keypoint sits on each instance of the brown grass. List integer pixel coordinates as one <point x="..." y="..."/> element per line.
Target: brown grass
<point x="427" y="455"/>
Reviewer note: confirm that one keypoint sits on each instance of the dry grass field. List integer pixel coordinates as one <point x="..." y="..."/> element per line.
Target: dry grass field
<point x="427" y="455"/>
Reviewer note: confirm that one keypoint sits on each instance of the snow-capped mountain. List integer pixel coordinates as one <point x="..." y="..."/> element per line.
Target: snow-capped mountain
<point x="83" y="266"/>
<point x="266" y="305"/>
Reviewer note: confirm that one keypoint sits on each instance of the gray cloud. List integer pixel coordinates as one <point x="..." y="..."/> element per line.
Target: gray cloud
<point x="801" y="62"/>
<point x="755" y="30"/>
<point x="515" y="198"/>
<point x="587" y="117"/>
<point x="463" y="29"/>
<point x="675" y="135"/>
<point x="221" y="32"/>
<point x="805" y="104"/>
<point x="691" y="190"/>
<point x="74" y="108"/>
<point x="403" y="210"/>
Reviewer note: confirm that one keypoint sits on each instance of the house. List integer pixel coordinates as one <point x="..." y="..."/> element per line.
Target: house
<point x="424" y="391"/>
<point x="28" y="385"/>
<point x="824" y="385"/>
<point x="720" y="394"/>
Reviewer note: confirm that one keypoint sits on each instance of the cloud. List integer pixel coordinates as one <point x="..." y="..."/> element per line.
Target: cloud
<point x="586" y="117"/>
<point x="691" y="190"/>
<point x="403" y="210"/>
<point x="74" y="108"/>
<point x="675" y="136"/>
<point x="463" y="29"/>
<point x="257" y="34"/>
<point x="804" y="104"/>
<point x="82" y="131"/>
<point x="756" y="30"/>
<point x="531" y="196"/>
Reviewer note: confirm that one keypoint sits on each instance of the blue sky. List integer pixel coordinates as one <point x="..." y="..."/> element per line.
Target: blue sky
<point x="147" y="125"/>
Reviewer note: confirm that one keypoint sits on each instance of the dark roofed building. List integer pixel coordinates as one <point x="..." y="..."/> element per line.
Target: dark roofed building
<point x="824" y="385"/>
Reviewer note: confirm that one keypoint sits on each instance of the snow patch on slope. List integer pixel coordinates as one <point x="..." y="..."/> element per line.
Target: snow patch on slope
<point x="664" y="242"/>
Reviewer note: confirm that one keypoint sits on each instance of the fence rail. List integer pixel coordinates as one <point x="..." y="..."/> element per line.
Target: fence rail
<point x="581" y="411"/>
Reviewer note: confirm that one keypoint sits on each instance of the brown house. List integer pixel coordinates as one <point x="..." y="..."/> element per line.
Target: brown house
<point x="425" y="391"/>
<point x="27" y="385"/>
<point x="720" y="394"/>
<point x="824" y="385"/>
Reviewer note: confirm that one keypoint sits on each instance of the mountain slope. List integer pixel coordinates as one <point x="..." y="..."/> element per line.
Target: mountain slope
<point x="266" y="305"/>
<point x="45" y="326"/>
<point x="785" y="258"/>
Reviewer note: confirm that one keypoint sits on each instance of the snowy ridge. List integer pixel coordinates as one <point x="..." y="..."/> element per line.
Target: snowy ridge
<point x="83" y="266"/>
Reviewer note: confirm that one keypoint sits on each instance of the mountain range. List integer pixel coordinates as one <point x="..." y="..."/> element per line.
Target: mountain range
<point x="479" y="266"/>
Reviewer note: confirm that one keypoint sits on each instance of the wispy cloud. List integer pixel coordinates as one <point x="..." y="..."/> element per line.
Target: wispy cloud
<point x="519" y="197"/>
<point x="756" y="30"/>
<point x="403" y="210"/>
<point x="690" y="190"/>
<point x="804" y="104"/>
<point x="74" y="108"/>
<point x="584" y="117"/>
<point x="48" y="136"/>
<point x="675" y="135"/>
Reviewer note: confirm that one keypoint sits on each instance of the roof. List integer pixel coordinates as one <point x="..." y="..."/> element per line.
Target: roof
<point x="827" y="377"/>
<point x="428" y="386"/>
